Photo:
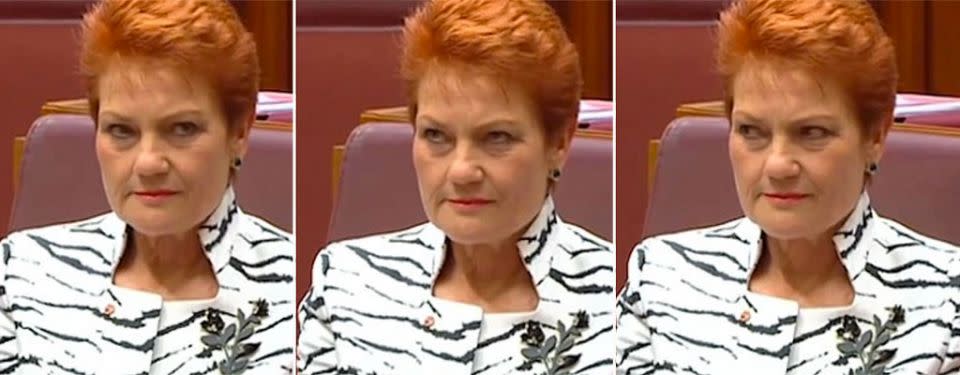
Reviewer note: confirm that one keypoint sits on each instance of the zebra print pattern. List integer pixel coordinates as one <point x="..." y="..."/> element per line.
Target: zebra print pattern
<point x="687" y="310"/>
<point x="58" y="280"/>
<point x="368" y="307"/>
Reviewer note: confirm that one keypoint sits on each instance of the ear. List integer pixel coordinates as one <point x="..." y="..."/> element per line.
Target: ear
<point x="878" y="139"/>
<point x="560" y="148"/>
<point x="240" y="139"/>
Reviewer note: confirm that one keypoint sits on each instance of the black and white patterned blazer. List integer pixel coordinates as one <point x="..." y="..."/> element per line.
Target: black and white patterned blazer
<point x="687" y="310"/>
<point x="61" y="313"/>
<point x="371" y="310"/>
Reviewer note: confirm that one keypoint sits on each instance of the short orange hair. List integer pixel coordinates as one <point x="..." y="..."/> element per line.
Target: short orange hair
<point x="511" y="40"/>
<point x="201" y="36"/>
<point x="840" y="39"/>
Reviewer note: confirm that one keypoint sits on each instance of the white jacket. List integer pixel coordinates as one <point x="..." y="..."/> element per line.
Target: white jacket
<point x="61" y="313"/>
<point x="687" y="310"/>
<point x="371" y="310"/>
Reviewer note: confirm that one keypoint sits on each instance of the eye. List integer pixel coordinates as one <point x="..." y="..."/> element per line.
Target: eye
<point x="185" y="129"/>
<point x="749" y="131"/>
<point x="499" y="137"/>
<point x="814" y="132"/>
<point x="120" y="131"/>
<point x="433" y="135"/>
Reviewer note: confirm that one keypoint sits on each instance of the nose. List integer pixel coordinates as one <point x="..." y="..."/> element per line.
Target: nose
<point x="465" y="166"/>
<point x="781" y="160"/>
<point x="151" y="158"/>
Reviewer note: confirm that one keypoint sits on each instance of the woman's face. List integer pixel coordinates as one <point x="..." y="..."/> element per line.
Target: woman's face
<point x="797" y="151"/>
<point x="163" y="147"/>
<point x="481" y="156"/>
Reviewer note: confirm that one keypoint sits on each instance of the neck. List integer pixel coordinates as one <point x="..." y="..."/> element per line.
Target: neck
<point x="807" y="271"/>
<point x="166" y="264"/>
<point x="487" y="270"/>
<point x="802" y="264"/>
<point x="491" y="276"/>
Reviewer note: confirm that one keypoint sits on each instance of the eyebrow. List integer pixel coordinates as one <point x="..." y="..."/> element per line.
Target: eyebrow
<point x="428" y="119"/>
<point x="488" y="124"/>
<point x="801" y="120"/>
<point x="168" y="117"/>
<point x="814" y="118"/>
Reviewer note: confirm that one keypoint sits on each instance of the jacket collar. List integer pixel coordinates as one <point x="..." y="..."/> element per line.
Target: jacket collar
<point x="216" y="233"/>
<point x="852" y="240"/>
<point x="534" y="245"/>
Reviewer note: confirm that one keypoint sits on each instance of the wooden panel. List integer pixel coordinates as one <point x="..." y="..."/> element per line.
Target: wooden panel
<point x="590" y="26"/>
<point x="944" y="56"/>
<point x="18" y="144"/>
<point x="905" y="23"/>
<point x="271" y="22"/>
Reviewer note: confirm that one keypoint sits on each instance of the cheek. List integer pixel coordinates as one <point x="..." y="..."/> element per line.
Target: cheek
<point x="747" y="166"/>
<point x="115" y="164"/>
<point x="207" y="162"/>
<point x="841" y="171"/>
<point x="426" y="167"/>
<point x="204" y="164"/>
<point x="523" y="173"/>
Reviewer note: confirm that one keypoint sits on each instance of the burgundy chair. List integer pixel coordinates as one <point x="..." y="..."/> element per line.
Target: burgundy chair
<point x="378" y="185"/>
<point x="348" y="56"/>
<point x="917" y="184"/>
<point x="45" y="37"/>
<point x="60" y="177"/>
<point x="378" y="189"/>
<point x="664" y="59"/>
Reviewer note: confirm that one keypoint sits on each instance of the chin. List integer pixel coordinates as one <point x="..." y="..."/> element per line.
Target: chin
<point x="467" y="233"/>
<point x="155" y="225"/>
<point x="786" y="227"/>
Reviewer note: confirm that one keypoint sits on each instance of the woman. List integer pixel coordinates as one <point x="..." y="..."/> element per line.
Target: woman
<point x="812" y="280"/>
<point x="176" y="278"/>
<point x="495" y="282"/>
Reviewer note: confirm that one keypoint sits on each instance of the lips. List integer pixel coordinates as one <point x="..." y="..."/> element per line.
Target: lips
<point x="470" y="201"/>
<point x="154" y="193"/>
<point x="786" y="196"/>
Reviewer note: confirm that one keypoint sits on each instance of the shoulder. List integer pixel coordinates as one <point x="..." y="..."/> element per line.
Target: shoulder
<point x="905" y="250"/>
<point x="398" y="264"/>
<point x="60" y="257"/>
<point x="404" y="249"/>
<point x="583" y="247"/>
<point x="264" y="238"/>
<point x="407" y="242"/>
<point x="92" y="235"/>
<point x="715" y="252"/>
<point x="729" y="237"/>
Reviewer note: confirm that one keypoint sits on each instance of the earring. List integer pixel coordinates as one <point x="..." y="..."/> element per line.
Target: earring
<point x="555" y="175"/>
<point x="237" y="163"/>
<point x="872" y="168"/>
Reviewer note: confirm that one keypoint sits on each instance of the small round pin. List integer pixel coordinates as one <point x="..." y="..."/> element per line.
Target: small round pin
<point x="108" y="311"/>
<point x="745" y="316"/>
<point x="428" y="321"/>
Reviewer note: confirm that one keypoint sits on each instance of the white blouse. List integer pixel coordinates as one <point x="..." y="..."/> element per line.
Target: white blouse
<point x="61" y="312"/>
<point x="371" y="310"/>
<point x="687" y="309"/>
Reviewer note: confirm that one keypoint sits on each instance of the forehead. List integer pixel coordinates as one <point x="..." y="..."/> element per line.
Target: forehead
<point x="465" y="93"/>
<point x="763" y="88"/>
<point x="144" y="87"/>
